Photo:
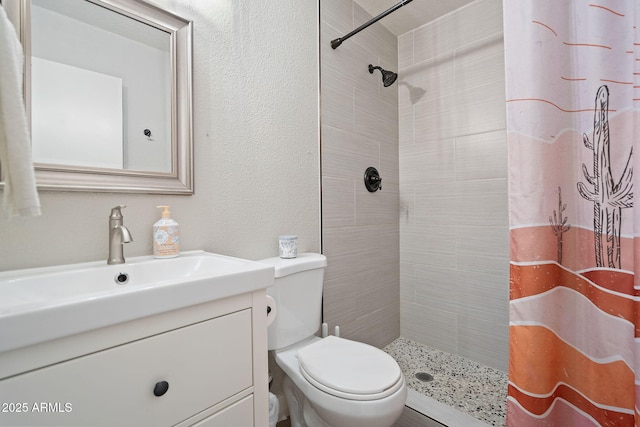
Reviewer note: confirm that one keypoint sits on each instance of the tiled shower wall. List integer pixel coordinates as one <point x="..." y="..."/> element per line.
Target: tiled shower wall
<point x="359" y="129"/>
<point x="453" y="185"/>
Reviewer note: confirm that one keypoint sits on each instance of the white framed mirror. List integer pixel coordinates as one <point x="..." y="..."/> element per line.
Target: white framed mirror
<point x="108" y="93"/>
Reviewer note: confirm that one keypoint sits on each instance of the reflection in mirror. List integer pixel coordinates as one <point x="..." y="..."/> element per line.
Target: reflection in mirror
<point x="109" y="93"/>
<point x="99" y="79"/>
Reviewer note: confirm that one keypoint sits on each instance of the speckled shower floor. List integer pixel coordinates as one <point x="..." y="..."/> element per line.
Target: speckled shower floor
<point x="465" y="385"/>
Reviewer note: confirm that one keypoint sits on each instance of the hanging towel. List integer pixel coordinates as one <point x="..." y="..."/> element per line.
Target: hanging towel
<point x="20" y="194"/>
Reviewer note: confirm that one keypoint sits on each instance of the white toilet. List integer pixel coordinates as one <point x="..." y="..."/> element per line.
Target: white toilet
<point x="331" y="382"/>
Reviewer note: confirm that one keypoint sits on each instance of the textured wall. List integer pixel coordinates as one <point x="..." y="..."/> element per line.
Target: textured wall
<point x="454" y="246"/>
<point x="359" y="129"/>
<point x="255" y="142"/>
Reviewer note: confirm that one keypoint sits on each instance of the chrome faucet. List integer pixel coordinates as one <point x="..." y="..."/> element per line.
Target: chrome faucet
<point x="118" y="235"/>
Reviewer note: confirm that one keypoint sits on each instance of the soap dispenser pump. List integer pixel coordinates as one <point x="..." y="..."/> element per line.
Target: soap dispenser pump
<point x="166" y="235"/>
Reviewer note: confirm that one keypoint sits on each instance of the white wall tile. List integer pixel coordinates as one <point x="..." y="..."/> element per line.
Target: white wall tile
<point x="437" y="118"/>
<point x="346" y="154"/>
<point x="485" y="295"/>
<point x="373" y="300"/>
<point x="435" y="39"/>
<point x="406" y="126"/>
<point x="382" y="43"/>
<point x="429" y="239"/>
<point x="389" y="166"/>
<point x="360" y="292"/>
<point x="407" y="204"/>
<point x="480" y="63"/>
<point x="483" y="239"/>
<point x="407" y="288"/>
<point x="480" y="109"/>
<point x="453" y="193"/>
<point x="360" y="129"/>
<point x="337" y="103"/>
<point x="427" y="162"/>
<point x="439" y="287"/>
<point x="430" y="326"/>
<point x="468" y="293"/>
<point x="380" y="207"/>
<point x="405" y="50"/>
<point x="390" y="246"/>
<point x="426" y="81"/>
<point x="486" y="342"/>
<point x="481" y="156"/>
<point x="339" y="210"/>
<point x="481" y="202"/>
<point x="427" y="258"/>
<point x="338" y="14"/>
<point x="351" y="250"/>
<point x="476" y="21"/>
<point x="390" y="321"/>
<point x="349" y="63"/>
<point x="379" y="326"/>
<point x="375" y="118"/>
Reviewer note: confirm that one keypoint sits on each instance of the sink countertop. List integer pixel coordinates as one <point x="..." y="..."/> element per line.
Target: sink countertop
<point x="42" y="304"/>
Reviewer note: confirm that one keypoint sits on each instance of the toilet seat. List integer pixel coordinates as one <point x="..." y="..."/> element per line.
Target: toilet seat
<point x="349" y="369"/>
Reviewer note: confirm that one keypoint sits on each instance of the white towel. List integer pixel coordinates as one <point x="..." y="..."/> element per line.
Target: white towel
<point x="20" y="193"/>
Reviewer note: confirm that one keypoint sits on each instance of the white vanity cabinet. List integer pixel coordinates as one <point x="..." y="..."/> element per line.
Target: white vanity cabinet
<point x="204" y="365"/>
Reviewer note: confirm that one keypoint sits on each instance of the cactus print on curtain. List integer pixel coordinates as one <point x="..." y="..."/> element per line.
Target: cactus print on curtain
<point x="573" y="121"/>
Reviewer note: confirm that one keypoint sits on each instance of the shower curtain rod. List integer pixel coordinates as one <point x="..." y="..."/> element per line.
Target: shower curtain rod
<point x="337" y="42"/>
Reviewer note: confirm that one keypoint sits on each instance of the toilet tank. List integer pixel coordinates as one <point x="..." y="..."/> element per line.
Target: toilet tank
<point x="297" y="292"/>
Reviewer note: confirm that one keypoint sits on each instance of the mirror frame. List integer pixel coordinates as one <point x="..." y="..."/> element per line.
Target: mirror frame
<point x="73" y="178"/>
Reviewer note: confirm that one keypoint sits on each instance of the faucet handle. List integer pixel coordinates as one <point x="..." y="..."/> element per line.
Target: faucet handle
<point x="116" y="213"/>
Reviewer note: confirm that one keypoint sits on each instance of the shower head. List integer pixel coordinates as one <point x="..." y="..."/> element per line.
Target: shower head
<point x="388" y="77"/>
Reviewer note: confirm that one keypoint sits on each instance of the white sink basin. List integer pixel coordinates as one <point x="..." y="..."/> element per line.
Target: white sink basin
<point x="41" y="304"/>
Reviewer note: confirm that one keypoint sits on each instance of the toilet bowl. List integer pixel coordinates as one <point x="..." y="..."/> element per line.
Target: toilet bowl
<point x="327" y="377"/>
<point x="331" y="381"/>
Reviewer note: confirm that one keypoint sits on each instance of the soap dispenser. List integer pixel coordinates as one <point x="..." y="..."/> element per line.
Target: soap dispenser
<point x="166" y="236"/>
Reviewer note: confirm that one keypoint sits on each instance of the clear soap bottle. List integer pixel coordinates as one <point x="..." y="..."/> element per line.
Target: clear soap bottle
<point x="166" y="236"/>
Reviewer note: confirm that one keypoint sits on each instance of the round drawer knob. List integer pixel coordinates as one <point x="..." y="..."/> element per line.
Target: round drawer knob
<point x="161" y="388"/>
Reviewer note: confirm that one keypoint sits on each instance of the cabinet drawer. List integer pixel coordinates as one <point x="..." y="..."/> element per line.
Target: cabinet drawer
<point x="239" y="414"/>
<point x="203" y="364"/>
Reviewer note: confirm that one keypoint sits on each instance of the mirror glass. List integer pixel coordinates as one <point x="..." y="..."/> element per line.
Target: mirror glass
<point x="101" y="88"/>
<point x="108" y="93"/>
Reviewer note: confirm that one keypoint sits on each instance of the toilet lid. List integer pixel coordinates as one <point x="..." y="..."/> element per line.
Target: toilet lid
<point x="349" y="367"/>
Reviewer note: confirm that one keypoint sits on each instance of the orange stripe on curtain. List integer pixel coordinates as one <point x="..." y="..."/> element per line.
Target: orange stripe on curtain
<point x="545" y="362"/>
<point x="542" y="406"/>
<point x="528" y="280"/>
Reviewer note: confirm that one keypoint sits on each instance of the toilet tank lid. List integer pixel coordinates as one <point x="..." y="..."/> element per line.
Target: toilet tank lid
<point x="303" y="262"/>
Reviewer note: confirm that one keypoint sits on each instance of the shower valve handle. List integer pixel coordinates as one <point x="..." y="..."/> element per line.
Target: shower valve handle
<point x="372" y="180"/>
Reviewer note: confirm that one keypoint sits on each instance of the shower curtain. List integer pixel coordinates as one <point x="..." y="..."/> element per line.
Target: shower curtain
<point x="573" y="100"/>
